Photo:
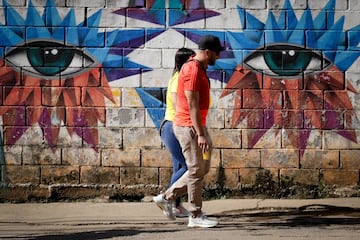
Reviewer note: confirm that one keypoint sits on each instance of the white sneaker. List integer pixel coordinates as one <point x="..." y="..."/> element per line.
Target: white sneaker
<point x="180" y="211"/>
<point x="201" y="221"/>
<point x="165" y="206"/>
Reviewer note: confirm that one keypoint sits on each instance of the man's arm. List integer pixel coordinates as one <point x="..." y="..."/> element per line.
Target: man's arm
<point x="193" y="103"/>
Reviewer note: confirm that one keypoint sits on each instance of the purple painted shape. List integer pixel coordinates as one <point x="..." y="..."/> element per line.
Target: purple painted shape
<point x="140" y="3"/>
<point x="142" y="14"/>
<point x="138" y="13"/>
<point x="197" y="4"/>
<point x="195" y="15"/>
<point x="79" y="122"/>
<point x="135" y="42"/>
<point x="269" y="118"/>
<point x="45" y="124"/>
<point x="216" y="74"/>
<point x="19" y="128"/>
<point x="260" y="131"/>
<point x="304" y="137"/>
<point x="332" y="120"/>
<point x="45" y="119"/>
<point x="348" y="135"/>
<point x="88" y="137"/>
<point x="116" y="73"/>
<point x="82" y="129"/>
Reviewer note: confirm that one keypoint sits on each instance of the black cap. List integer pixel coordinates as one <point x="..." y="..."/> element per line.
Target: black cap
<point x="210" y="42"/>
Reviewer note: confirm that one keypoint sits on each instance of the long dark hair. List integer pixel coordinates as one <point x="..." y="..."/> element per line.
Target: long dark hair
<point x="181" y="56"/>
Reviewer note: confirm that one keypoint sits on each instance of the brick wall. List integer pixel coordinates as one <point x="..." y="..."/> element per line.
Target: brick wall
<point x="83" y="86"/>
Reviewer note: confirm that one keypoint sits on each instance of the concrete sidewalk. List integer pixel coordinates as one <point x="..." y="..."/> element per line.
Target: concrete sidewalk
<point x="21" y="221"/>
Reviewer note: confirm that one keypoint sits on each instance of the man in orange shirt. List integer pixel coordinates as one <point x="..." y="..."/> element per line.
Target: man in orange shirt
<point x="190" y="129"/>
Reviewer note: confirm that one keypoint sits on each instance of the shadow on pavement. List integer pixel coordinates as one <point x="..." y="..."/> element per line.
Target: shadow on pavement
<point x="93" y="235"/>
<point x="305" y="216"/>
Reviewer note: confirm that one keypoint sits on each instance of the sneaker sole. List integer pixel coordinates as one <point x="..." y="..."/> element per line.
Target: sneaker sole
<point x="161" y="206"/>
<point x="201" y="226"/>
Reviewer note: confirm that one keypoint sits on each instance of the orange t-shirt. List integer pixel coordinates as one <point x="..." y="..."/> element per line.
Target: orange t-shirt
<point x="192" y="77"/>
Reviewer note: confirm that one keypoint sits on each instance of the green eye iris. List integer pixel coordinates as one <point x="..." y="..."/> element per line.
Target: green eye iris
<point x="287" y="62"/>
<point x="283" y="60"/>
<point x="50" y="60"/>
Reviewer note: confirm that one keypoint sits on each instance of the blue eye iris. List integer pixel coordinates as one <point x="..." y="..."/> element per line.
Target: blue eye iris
<point x="286" y="60"/>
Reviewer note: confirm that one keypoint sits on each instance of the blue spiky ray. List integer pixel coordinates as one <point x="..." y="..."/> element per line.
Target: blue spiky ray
<point x="50" y="26"/>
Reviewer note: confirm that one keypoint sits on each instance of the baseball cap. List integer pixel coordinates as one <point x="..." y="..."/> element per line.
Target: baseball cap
<point x="210" y="42"/>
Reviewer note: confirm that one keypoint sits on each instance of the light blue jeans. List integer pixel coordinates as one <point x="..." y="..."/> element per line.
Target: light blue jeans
<point x="172" y="144"/>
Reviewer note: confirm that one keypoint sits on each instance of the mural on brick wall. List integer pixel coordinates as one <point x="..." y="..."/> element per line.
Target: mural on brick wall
<point x="291" y="80"/>
<point x="57" y="72"/>
<point x="285" y="74"/>
<point x="294" y="79"/>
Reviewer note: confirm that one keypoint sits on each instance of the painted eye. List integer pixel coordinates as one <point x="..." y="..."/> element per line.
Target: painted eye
<point x="286" y="60"/>
<point x="49" y="59"/>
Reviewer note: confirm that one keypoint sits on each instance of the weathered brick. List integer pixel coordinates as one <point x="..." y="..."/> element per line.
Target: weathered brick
<point x="232" y="178"/>
<point x="117" y="95"/>
<point x="313" y="142"/>
<point x="211" y="178"/>
<point x="67" y="140"/>
<point x="150" y="57"/>
<point x="249" y="101"/>
<point x="130" y="98"/>
<point x="260" y="4"/>
<point x="165" y="177"/>
<point x="215" y="118"/>
<point x="136" y="175"/>
<point x="85" y="3"/>
<point x="225" y="20"/>
<point x="280" y="158"/>
<point x="316" y="103"/>
<point x="226" y="102"/>
<point x="22" y="174"/>
<point x="80" y="156"/>
<point x="13" y="155"/>
<point x="32" y="136"/>
<point x="332" y="140"/>
<point x="125" y="117"/>
<point x="270" y="140"/>
<point x="225" y="138"/>
<point x="340" y="177"/>
<point x="129" y="157"/>
<point x="116" y="3"/>
<point x="316" y="159"/>
<point x="59" y="174"/>
<point x="303" y="176"/>
<point x="108" y="19"/>
<point x="99" y="175"/>
<point x="215" y="158"/>
<point x="240" y="158"/>
<point x="248" y="176"/>
<point x="156" y="157"/>
<point x="39" y="155"/>
<point x="350" y="159"/>
<point x="110" y="137"/>
<point x="21" y="193"/>
<point x="141" y="138"/>
<point x="341" y="5"/>
<point x="131" y="117"/>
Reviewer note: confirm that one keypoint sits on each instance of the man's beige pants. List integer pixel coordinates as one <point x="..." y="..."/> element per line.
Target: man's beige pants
<point x="192" y="180"/>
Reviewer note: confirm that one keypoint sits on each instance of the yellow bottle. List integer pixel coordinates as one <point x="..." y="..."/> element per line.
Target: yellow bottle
<point x="206" y="155"/>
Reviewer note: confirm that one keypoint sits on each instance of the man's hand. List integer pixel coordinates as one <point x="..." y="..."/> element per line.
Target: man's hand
<point x="203" y="143"/>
